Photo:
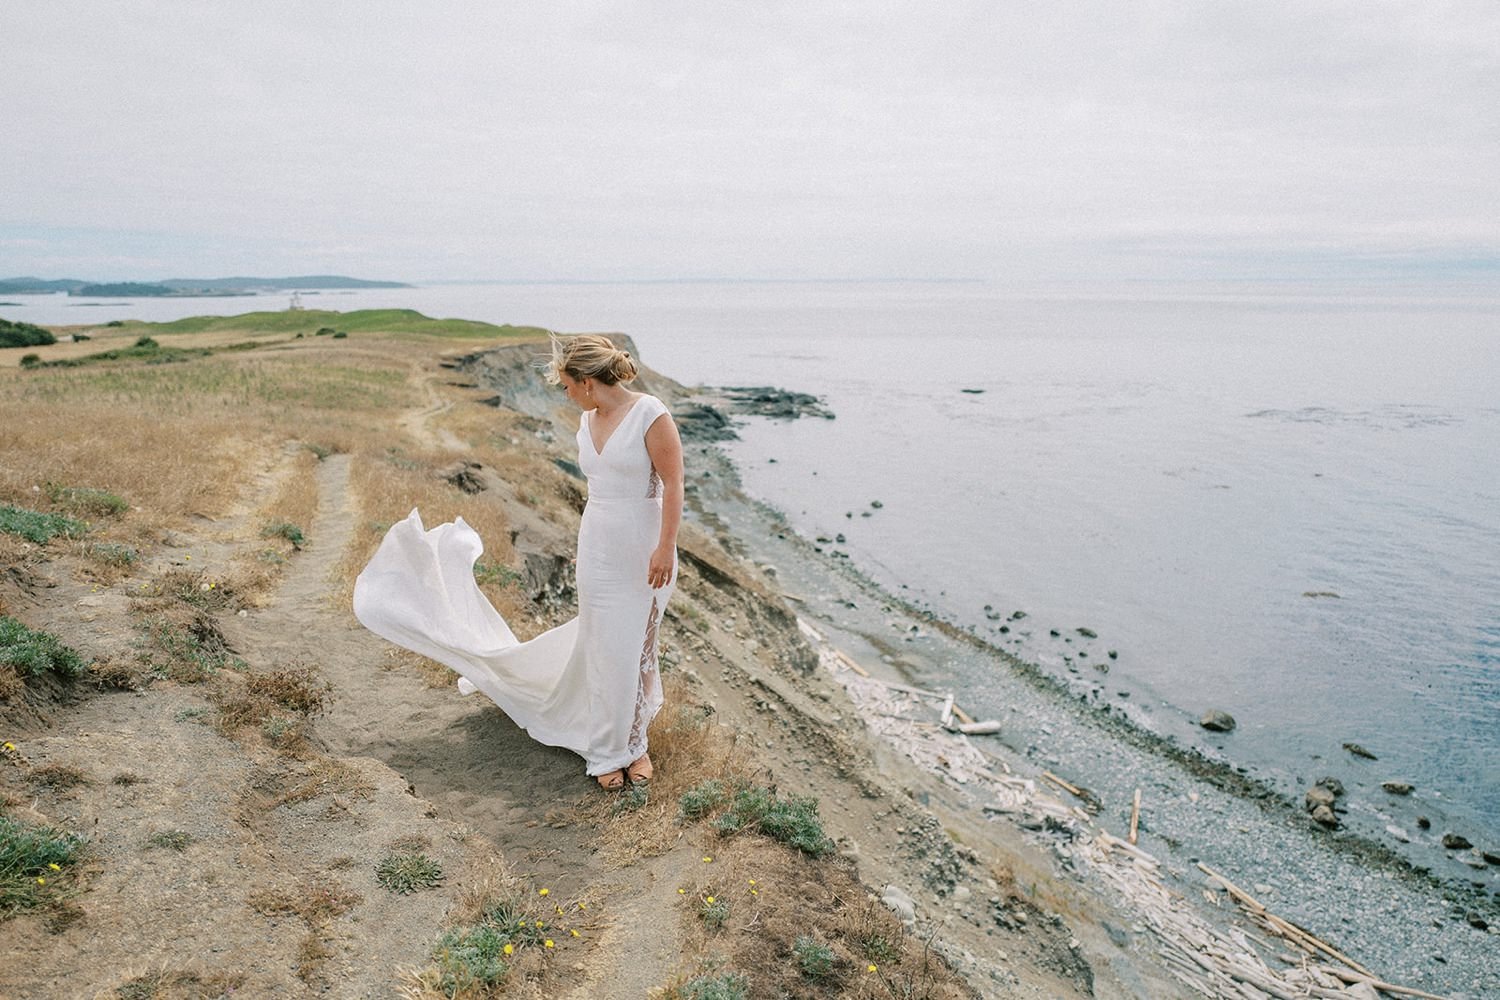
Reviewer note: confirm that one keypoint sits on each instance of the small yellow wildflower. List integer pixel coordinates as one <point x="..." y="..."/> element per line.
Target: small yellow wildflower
<point x="583" y="906"/>
<point x="509" y="947"/>
<point x="707" y="858"/>
<point x="559" y="910"/>
<point x="573" y="932"/>
<point x="9" y="745"/>
<point x="539" y="923"/>
<point x="869" y="968"/>
<point x="520" y="923"/>
<point x="710" y="899"/>
<point x="54" y="866"/>
<point x="682" y="892"/>
<point x="543" y="892"/>
<point x="752" y="881"/>
<point x="40" y="880"/>
<point x="547" y="943"/>
<point x="755" y="892"/>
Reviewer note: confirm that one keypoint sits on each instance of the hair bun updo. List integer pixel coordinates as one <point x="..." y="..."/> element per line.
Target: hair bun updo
<point x="589" y="356"/>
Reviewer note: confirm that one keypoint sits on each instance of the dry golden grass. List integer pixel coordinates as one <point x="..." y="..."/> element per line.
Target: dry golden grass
<point x="56" y="776"/>
<point x="326" y="776"/>
<point x="181" y="439"/>
<point x="687" y="748"/>
<point x="774" y="896"/>
<point x="170" y="983"/>
<point x="314" y="900"/>
<point x="274" y="706"/>
<point x="387" y="485"/>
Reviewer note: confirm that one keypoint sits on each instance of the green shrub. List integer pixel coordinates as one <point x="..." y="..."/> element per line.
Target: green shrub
<point x="877" y="947"/>
<point x="23" y="335"/>
<point x="814" y="959"/>
<point x="471" y="957"/>
<point x="87" y="500"/>
<point x="725" y="986"/>
<point x="112" y="554"/>
<point x="341" y="335"/>
<point x="34" y="653"/>
<point x="81" y="337"/>
<point x="115" y="322"/>
<point x="793" y="821"/>
<point x="714" y="912"/>
<point x="37" y="527"/>
<point x="496" y="573"/>
<point x="407" y="872"/>
<point x="30" y="360"/>
<point x="286" y="530"/>
<point x="28" y="854"/>
<point x="146" y="344"/>
<point x="702" y="799"/>
<point x="633" y="798"/>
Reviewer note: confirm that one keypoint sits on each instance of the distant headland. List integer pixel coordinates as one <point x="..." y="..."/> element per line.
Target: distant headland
<point x="187" y="287"/>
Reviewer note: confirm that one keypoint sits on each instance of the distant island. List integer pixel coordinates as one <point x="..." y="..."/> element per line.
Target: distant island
<point x="187" y="287"/>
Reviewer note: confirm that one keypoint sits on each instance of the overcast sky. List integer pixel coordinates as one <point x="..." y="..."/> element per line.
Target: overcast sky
<point x="1002" y="141"/>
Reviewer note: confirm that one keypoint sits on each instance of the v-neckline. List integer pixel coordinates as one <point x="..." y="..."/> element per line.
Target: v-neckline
<point x="599" y="449"/>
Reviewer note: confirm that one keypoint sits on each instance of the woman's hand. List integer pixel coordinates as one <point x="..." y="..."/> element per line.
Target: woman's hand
<point x="659" y="573"/>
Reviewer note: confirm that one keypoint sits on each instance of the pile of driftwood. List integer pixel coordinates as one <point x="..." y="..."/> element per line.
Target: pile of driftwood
<point x="934" y="732"/>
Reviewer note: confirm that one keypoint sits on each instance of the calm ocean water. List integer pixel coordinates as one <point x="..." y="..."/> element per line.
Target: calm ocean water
<point x="1175" y="473"/>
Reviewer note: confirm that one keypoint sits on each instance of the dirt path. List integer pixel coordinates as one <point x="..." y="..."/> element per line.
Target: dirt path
<point x="465" y="757"/>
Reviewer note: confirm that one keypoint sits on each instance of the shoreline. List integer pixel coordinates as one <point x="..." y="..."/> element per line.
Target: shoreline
<point x="831" y="591"/>
<point x="975" y="874"/>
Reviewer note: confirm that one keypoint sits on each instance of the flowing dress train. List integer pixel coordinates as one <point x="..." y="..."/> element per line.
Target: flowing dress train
<point x="590" y="685"/>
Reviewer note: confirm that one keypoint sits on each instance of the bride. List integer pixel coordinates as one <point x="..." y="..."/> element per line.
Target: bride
<point x="590" y="685"/>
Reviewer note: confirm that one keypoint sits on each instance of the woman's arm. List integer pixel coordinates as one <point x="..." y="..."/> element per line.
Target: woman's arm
<point x="665" y="448"/>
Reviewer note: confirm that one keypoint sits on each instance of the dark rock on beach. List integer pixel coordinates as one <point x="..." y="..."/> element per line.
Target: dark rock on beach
<point x="1324" y="816"/>
<point x="766" y="401"/>
<point x="1398" y="787"/>
<point x="697" y="422"/>
<point x="1217" y="720"/>
<point x="1334" y="785"/>
<point x="1456" y="842"/>
<point x="1360" y="751"/>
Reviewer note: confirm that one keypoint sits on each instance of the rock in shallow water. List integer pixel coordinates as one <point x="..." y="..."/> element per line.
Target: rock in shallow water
<point x="1360" y="751"/>
<point x="1398" y="787"/>
<point x="1456" y="842"/>
<point x="1217" y="720"/>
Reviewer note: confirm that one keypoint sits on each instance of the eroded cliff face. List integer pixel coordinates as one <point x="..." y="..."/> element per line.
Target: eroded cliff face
<point x="712" y="575"/>
<point x="734" y="637"/>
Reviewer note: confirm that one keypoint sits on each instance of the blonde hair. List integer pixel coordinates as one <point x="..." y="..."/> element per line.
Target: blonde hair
<point x="588" y="356"/>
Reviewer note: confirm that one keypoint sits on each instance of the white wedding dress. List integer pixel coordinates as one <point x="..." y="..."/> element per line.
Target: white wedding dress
<point x="590" y="685"/>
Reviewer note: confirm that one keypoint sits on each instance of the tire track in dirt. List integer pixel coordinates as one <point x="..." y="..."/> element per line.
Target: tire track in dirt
<point x="418" y="424"/>
<point x="468" y="759"/>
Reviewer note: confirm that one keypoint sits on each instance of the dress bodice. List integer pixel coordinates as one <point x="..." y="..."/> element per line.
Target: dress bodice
<point x="622" y="469"/>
